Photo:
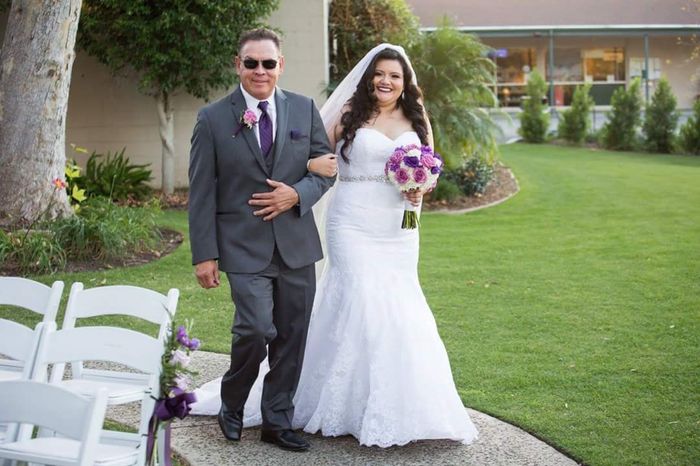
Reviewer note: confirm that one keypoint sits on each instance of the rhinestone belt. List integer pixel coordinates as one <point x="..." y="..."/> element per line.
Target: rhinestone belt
<point x="380" y="178"/>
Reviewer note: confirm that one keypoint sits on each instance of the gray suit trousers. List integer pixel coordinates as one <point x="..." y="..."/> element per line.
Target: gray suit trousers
<point x="273" y="309"/>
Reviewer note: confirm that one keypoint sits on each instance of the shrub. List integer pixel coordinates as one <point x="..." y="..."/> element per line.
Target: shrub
<point x="356" y="26"/>
<point x="114" y="177"/>
<point x="689" y="137"/>
<point x="620" y="131"/>
<point x="34" y="251"/>
<point x="660" y="120"/>
<point x="575" y="122"/>
<point x="534" y="119"/>
<point x="454" y="72"/>
<point x="473" y="176"/>
<point x="103" y="230"/>
<point x="446" y="190"/>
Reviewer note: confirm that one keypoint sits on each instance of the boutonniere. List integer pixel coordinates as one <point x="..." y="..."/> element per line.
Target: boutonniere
<point x="295" y="134"/>
<point x="248" y="119"/>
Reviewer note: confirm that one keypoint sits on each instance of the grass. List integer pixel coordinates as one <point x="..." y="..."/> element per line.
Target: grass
<point x="572" y="310"/>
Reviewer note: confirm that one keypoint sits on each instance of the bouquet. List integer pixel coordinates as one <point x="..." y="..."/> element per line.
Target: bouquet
<point x="175" y="395"/>
<point x="413" y="167"/>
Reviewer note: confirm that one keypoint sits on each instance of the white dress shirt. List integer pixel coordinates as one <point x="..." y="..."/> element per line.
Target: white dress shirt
<point x="252" y="104"/>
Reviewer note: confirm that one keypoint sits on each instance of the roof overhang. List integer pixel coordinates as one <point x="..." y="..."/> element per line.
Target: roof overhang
<point x="577" y="30"/>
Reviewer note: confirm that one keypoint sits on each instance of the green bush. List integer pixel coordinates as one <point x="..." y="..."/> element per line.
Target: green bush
<point x="534" y="119"/>
<point x="5" y="246"/>
<point x="689" y="137"/>
<point x="473" y="176"/>
<point x="103" y="230"/>
<point x="100" y="230"/>
<point x="660" y="120"/>
<point x="446" y="190"/>
<point x="33" y="251"/>
<point x="356" y="26"/>
<point x="455" y="74"/>
<point x="620" y="131"/>
<point x="114" y="177"/>
<point x="575" y="122"/>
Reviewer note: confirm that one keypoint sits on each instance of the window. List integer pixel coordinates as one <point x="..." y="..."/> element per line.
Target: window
<point x="512" y="68"/>
<point x="606" y="65"/>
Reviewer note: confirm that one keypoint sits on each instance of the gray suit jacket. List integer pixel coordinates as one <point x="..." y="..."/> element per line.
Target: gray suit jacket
<point x="227" y="167"/>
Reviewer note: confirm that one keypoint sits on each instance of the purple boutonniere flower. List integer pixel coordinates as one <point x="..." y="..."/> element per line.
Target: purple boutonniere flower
<point x="248" y="119"/>
<point x="295" y="134"/>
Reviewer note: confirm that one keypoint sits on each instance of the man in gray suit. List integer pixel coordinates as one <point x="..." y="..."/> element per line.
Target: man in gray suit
<point x="250" y="216"/>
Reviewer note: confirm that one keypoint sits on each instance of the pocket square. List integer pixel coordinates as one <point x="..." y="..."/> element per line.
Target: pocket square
<point x="295" y="134"/>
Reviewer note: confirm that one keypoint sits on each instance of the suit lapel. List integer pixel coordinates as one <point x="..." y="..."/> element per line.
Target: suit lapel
<point x="238" y="106"/>
<point x="282" y="120"/>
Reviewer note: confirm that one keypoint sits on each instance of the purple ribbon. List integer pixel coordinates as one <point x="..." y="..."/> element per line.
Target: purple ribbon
<point x="167" y="408"/>
<point x="176" y="406"/>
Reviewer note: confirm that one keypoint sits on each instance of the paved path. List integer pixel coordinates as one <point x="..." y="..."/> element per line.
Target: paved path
<point x="199" y="441"/>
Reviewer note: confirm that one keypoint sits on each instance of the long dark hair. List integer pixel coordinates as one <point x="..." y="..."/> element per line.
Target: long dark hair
<point x="363" y="103"/>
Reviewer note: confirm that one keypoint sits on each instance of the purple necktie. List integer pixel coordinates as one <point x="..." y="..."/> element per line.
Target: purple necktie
<point x="265" y="128"/>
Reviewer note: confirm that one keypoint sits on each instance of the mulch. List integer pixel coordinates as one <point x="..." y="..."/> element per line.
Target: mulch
<point x="501" y="187"/>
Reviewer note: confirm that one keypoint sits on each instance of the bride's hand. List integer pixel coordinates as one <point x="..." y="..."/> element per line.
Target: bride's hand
<point x="325" y="165"/>
<point x="414" y="196"/>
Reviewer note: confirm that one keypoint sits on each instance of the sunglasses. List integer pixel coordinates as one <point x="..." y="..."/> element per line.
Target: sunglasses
<point x="251" y="64"/>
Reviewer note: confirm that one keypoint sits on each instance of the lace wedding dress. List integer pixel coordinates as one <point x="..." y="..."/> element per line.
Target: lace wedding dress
<point x="375" y="366"/>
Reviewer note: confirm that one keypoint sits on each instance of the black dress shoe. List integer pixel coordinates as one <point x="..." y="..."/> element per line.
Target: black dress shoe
<point x="231" y="423"/>
<point x="285" y="439"/>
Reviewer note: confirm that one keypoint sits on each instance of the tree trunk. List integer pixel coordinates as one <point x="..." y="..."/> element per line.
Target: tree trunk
<point x="167" y="130"/>
<point x="35" y="70"/>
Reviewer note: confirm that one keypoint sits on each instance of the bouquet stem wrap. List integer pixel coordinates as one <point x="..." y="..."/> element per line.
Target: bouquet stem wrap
<point x="411" y="219"/>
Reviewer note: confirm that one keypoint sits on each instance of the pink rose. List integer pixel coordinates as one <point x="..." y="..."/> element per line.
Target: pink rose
<point x="419" y="175"/>
<point x="428" y="160"/>
<point x="402" y="176"/>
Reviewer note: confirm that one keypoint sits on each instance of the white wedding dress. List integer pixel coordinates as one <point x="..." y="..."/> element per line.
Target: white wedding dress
<point x="375" y="366"/>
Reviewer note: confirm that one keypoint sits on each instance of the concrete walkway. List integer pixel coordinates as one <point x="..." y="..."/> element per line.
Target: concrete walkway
<point x="199" y="441"/>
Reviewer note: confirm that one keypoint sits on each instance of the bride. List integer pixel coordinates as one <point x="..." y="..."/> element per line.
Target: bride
<point x="375" y="366"/>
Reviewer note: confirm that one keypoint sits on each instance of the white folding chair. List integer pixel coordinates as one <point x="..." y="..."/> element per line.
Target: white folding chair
<point x="78" y="419"/>
<point x="33" y="296"/>
<point x="123" y="386"/>
<point x="139" y="354"/>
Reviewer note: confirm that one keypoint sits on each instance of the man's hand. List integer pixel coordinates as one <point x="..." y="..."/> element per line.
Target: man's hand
<point x="207" y="274"/>
<point x="326" y="165"/>
<point x="414" y="196"/>
<point x="275" y="202"/>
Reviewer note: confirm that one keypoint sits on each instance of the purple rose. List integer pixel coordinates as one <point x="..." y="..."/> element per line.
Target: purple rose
<point x="413" y="162"/>
<point x="394" y="166"/>
<point x="181" y="335"/>
<point x="426" y="150"/>
<point x="402" y="176"/>
<point x="194" y="344"/>
<point x="435" y="170"/>
<point x="419" y="175"/>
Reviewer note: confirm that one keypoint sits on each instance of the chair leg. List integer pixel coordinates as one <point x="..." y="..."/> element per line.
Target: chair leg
<point x="161" y="450"/>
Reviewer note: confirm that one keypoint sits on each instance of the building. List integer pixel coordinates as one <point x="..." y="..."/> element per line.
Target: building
<point x="107" y="113"/>
<point x="606" y="43"/>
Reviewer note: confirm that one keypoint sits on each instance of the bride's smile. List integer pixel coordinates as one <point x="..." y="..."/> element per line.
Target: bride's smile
<point x="388" y="82"/>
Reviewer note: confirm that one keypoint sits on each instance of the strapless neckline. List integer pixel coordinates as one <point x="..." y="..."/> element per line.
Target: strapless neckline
<point x="387" y="137"/>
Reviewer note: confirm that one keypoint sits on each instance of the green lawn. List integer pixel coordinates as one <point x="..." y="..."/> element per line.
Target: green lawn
<point x="572" y="310"/>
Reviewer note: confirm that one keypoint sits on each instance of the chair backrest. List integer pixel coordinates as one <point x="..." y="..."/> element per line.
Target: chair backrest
<point x="35" y="296"/>
<point x="126" y="300"/>
<point x="121" y="300"/>
<point x="133" y="349"/>
<point x="19" y="343"/>
<point x="55" y="408"/>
